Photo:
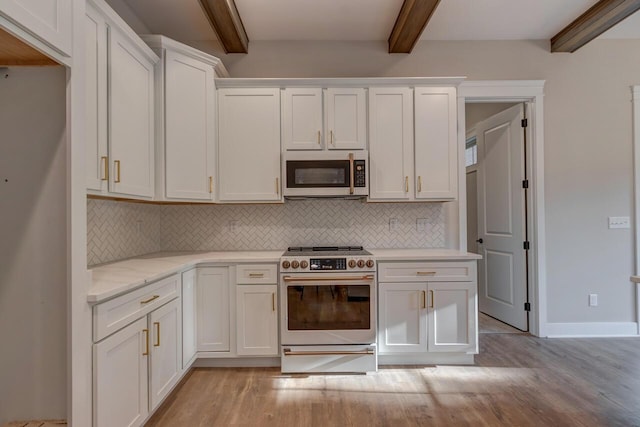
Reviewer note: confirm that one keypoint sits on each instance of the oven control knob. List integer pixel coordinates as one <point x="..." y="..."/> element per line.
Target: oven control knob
<point x="286" y="264"/>
<point x="360" y="263"/>
<point x="304" y="264"/>
<point x="352" y="263"/>
<point x="370" y="263"/>
<point x="295" y="264"/>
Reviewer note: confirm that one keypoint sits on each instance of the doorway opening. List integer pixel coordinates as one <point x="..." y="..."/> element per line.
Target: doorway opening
<point x="504" y="216"/>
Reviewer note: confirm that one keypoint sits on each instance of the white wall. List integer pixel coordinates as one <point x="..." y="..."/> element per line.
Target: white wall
<point x="33" y="248"/>
<point x="588" y="151"/>
<point x="477" y="112"/>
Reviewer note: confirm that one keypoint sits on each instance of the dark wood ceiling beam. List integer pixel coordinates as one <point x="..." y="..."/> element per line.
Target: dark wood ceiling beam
<point x="595" y="21"/>
<point x="224" y="18"/>
<point x="410" y="23"/>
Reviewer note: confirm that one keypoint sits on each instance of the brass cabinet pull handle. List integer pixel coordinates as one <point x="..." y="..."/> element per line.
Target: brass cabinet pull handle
<point x="406" y="184"/>
<point x="256" y="275"/>
<point x="319" y="136"/>
<point x="210" y="184"/>
<point x="432" y="296"/>
<point x="327" y="279"/>
<point x="147" y="301"/>
<point x="105" y="165"/>
<point x="331" y="137"/>
<point x="419" y="184"/>
<point x="157" y="325"/>
<point x="426" y="273"/>
<point x="289" y="352"/>
<point x="146" y="340"/>
<point x="273" y="301"/>
<point x="351" y="174"/>
<point x="277" y="186"/>
<point x="116" y="164"/>
<point x="424" y="299"/>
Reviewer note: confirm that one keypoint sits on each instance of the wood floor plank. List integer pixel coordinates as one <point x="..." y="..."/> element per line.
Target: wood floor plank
<point x="518" y="380"/>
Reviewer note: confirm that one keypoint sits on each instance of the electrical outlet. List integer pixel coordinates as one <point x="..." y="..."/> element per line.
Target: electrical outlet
<point x="619" y="222"/>
<point x="233" y="225"/>
<point x="422" y="224"/>
<point x="593" y="300"/>
<point x="393" y="224"/>
<point x="139" y="226"/>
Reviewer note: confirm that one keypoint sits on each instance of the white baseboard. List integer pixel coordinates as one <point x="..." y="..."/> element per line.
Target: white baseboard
<point x="592" y="329"/>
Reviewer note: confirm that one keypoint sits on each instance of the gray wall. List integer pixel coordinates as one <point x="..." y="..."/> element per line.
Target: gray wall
<point x="588" y="142"/>
<point x="33" y="248"/>
<point x="477" y="112"/>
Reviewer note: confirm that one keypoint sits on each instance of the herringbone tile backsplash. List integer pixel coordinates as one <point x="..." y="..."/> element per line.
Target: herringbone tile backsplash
<point x="119" y="230"/>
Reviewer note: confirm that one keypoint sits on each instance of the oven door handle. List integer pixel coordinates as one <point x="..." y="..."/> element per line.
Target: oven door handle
<point x="289" y="352"/>
<point x="367" y="277"/>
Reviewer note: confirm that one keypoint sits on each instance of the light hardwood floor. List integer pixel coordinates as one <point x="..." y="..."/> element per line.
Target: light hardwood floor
<point x="518" y="380"/>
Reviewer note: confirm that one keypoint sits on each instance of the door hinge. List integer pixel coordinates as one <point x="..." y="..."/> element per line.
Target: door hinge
<point x="526" y="245"/>
<point x="524" y="123"/>
<point x="527" y="306"/>
<point x="525" y="183"/>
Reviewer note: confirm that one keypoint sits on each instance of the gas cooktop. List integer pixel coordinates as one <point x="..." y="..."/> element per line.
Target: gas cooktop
<point x="325" y="251"/>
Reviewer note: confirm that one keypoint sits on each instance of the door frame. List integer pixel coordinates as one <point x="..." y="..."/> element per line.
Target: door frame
<point x="530" y="92"/>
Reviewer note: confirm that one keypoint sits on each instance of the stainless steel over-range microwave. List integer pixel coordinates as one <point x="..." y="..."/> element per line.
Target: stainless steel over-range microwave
<point x="326" y="173"/>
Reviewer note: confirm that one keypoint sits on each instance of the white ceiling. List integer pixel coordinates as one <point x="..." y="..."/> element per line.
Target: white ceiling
<point x="362" y="20"/>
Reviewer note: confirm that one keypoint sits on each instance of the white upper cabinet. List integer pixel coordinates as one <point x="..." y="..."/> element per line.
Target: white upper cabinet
<point x="346" y="118"/>
<point x="302" y="119"/>
<point x="186" y="116"/>
<point x="120" y="107"/>
<point x="131" y="118"/>
<point x="391" y="143"/>
<point x="97" y="163"/>
<point x="249" y="144"/>
<point x="436" y="159"/>
<point x="48" y="20"/>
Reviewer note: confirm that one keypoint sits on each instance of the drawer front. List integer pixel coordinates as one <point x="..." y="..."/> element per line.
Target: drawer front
<point x="259" y="274"/>
<point x="117" y="313"/>
<point x="449" y="271"/>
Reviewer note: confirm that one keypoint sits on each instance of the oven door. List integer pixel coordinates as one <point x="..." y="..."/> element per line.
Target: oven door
<point x="328" y="308"/>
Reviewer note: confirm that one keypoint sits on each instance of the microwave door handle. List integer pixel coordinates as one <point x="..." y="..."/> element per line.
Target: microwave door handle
<point x="351" y="173"/>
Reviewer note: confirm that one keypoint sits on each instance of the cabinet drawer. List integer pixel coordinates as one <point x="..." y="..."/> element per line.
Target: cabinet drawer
<point x="462" y="271"/>
<point x="117" y="313"/>
<point x="248" y="274"/>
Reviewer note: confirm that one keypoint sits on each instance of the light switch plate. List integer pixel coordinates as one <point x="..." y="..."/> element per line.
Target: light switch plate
<point x="619" y="222"/>
<point x="393" y="224"/>
<point x="422" y="224"/>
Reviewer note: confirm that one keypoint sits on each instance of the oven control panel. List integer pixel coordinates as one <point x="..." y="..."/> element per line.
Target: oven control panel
<point x="303" y="264"/>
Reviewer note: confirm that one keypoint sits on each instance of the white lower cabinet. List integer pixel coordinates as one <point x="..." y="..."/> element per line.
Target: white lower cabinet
<point x="121" y="378"/>
<point x="189" y="318"/>
<point x="257" y="320"/>
<point x="165" y="334"/>
<point x="213" y="318"/>
<point x="137" y="366"/>
<point x="420" y="313"/>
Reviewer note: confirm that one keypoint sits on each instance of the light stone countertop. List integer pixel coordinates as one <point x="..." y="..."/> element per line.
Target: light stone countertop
<point x="110" y="280"/>
<point x="635" y="279"/>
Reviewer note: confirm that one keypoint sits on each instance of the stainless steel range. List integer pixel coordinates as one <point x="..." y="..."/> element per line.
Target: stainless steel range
<point x="328" y="309"/>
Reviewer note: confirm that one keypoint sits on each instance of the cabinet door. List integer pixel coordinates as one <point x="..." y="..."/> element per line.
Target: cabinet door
<point x="189" y="106"/>
<point x="436" y="143"/>
<point x="131" y="118"/>
<point x="391" y="143"/>
<point x="48" y="20"/>
<point x="249" y="144"/>
<point x="452" y="316"/>
<point x="257" y="320"/>
<point x="165" y="327"/>
<point x="302" y="119"/>
<point x="97" y="163"/>
<point x="213" y="309"/>
<point x="189" y="337"/>
<point x="120" y="386"/>
<point x="402" y="318"/>
<point x="346" y="111"/>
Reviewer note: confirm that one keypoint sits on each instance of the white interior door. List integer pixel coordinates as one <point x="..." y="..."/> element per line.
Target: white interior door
<point x="501" y="217"/>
